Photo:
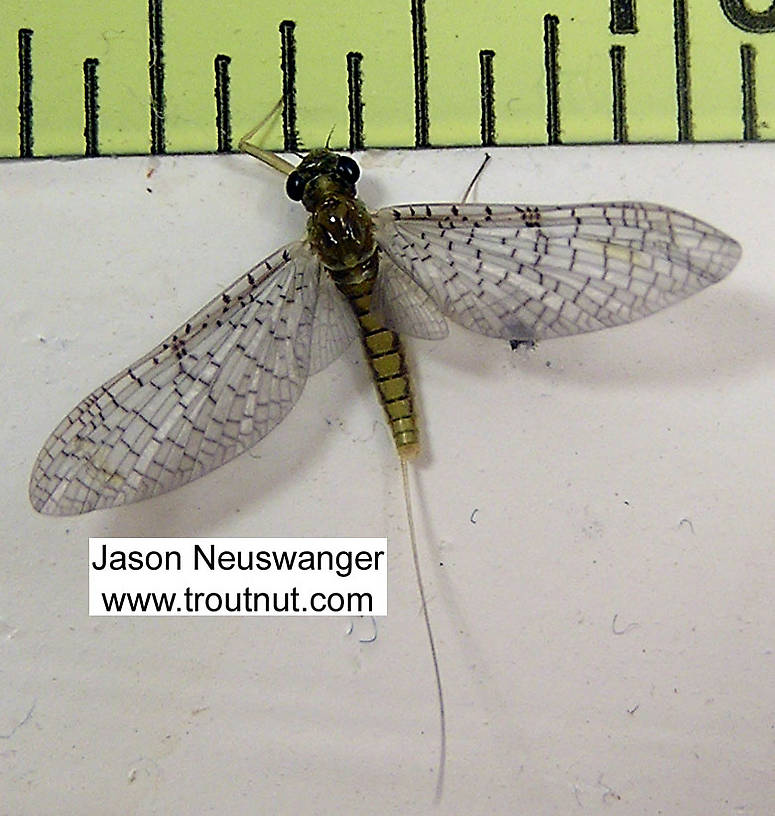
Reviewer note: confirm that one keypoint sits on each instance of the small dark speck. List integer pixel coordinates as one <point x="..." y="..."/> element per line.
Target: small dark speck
<point x="473" y="515"/>
<point x="148" y="190"/>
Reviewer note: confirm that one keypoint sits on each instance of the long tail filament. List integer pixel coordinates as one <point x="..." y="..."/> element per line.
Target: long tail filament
<point x="429" y="631"/>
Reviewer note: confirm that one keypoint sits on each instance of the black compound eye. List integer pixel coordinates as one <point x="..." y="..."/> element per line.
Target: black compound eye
<point x="294" y="186"/>
<point x="348" y="169"/>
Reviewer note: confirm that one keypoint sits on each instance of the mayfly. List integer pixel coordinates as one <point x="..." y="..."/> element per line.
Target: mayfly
<point x="232" y="372"/>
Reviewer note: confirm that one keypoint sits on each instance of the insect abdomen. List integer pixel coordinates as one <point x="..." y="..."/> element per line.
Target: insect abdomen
<point x="385" y="355"/>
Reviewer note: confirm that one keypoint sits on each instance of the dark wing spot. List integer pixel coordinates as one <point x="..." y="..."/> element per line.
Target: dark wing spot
<point x="531" y="217"/>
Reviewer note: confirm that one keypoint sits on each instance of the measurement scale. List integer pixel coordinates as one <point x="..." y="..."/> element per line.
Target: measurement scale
<point x="161" y="76"/>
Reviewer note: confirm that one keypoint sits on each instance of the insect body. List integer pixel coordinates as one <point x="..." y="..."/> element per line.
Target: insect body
<point x="341" y="233"/>
<point x="235" y="369"/>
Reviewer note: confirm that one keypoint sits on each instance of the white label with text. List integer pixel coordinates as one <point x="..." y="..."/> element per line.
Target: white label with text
<point x="238" y="576"/>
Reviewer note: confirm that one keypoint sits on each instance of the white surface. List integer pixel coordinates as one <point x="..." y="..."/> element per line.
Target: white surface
<point x="622" y="475"/>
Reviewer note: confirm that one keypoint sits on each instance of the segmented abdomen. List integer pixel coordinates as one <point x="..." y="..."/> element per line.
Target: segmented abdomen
<point x="385" y="355"/>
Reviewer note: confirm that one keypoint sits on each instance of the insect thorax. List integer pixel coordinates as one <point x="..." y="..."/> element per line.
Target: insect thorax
<point x="340" y="231"/>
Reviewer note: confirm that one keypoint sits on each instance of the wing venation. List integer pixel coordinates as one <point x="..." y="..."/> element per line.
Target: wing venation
<point x="531" y="273"/>
<point x="208" y="392"/>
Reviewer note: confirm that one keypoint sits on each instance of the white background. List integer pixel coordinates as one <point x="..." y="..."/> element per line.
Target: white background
<point x="605" y="619"/>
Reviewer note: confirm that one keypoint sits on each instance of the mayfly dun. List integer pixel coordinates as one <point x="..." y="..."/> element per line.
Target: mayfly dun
<point x="233" y="371"/>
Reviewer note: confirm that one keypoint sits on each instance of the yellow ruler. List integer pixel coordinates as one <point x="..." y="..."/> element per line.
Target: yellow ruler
<point x="155" y="76"/>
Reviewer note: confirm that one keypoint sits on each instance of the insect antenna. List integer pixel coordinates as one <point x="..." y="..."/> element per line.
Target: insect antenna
<point x="429" y="631"/>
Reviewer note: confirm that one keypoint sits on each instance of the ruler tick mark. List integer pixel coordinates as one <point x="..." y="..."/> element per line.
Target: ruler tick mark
<point x="355" y="99"/>
<point x="222" y="103"/>
<point x="551" y="48"/>
<point x="748" y="69"/>
<point x="420" y="59"/>
<point x="288" y="67"/>
<point x="487" y="90"/>
<point x="156" y="75"/>
<point x="91" y="107"/>
<point x="682" y="86"/>
<point x="25" y="93"/>
<point x="619" y="94"/>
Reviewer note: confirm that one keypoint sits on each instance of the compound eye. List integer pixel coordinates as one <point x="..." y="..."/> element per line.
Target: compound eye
<point x="294" y="186"/>
<point x="348" y="169"/>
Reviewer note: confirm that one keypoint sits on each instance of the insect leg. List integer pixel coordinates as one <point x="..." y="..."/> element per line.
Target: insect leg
<point x="478" y="173"/>
<point x="266" y="156"/>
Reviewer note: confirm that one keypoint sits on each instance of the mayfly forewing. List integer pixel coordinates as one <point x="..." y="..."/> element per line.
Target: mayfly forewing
<point x="529" y="273"/>
<point x="207" y="393"/>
